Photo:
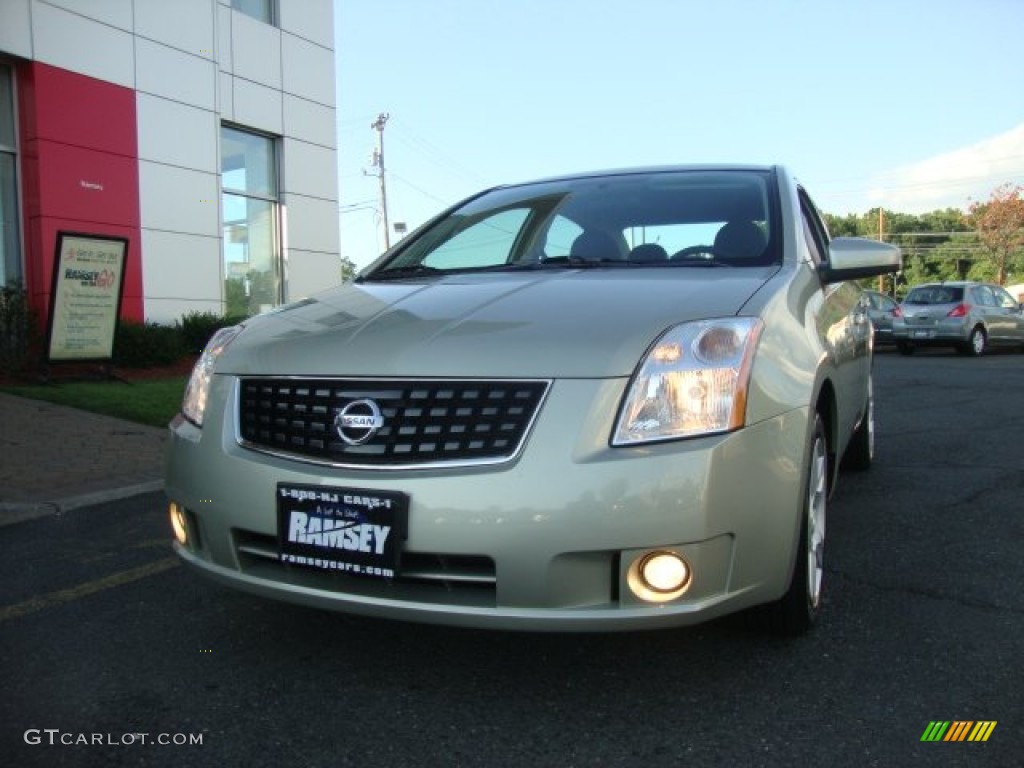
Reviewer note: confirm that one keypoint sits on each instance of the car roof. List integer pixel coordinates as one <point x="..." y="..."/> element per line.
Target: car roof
<point x="706" y="167"/>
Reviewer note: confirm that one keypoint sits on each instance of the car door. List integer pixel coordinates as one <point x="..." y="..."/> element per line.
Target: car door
<point x="881" y="314"/>
<point x="983" y="307"/>
<point x="1013" y="315"/>
<point x="844" y="328"/>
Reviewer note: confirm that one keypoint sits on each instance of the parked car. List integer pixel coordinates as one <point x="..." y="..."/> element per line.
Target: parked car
<point x="598" y="402"/>
<point x="881" y="309"/>
<point x="968" y="316"/>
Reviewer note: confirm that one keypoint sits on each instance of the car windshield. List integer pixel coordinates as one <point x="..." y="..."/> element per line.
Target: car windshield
<point x="936" y="294"/>
<point x="667" y="218"/>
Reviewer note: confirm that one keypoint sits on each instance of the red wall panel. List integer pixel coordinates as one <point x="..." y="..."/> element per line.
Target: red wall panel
<point x="81" y="172"/>
<point x="69" y="108"/>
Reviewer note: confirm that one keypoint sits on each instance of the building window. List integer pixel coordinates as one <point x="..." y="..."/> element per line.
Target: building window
<point x="262" y="10"/>
<point x="252" y="241"/>
<point x="10" y="253"/>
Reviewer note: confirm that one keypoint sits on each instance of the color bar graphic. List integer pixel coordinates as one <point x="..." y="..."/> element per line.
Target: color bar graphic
<point x="935" y="731"/>
<point x="958" y="730"/>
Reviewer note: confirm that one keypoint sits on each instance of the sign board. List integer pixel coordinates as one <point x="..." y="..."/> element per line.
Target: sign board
<point x="85" y="301"/>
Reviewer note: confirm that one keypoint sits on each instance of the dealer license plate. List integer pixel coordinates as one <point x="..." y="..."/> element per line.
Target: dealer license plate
<point x="346" y="530"/>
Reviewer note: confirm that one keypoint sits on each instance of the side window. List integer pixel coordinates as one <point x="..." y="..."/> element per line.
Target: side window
<point x="983" y="296"/>
<point x="560" y="237"/>
<point x="252" y="249"/>
<point x="261" y="10"/>
<point x="10" y="247"/>
<point x="1004" y="299"/>
<point x="815" y="231"/>
<point x="484" y="243"/>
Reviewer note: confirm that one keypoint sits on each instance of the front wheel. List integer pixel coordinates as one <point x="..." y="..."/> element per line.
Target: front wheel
<point x="797" y="610"/>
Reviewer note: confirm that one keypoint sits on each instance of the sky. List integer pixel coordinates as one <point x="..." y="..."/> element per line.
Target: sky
<point x="913" y="105"/>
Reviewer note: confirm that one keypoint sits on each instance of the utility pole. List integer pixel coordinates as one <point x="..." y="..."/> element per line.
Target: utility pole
<point x="378" y="163"/>
<point x="881" y="238"/>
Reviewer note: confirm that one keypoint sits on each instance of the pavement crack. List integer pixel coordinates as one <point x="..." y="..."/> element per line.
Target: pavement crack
<point x="933" y="594"/>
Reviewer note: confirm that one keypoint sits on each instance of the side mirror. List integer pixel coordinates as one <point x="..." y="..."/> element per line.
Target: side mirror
<point x="850" y="258"/>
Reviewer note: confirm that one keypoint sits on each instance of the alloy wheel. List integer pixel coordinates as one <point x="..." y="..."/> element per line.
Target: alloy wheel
<point x="817" y="489"/>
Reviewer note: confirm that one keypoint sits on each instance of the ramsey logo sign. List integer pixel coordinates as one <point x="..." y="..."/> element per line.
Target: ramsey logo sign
<point x="336" y="534"/>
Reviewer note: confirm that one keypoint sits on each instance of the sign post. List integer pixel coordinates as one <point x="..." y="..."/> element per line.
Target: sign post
<point x="85" y="300"/>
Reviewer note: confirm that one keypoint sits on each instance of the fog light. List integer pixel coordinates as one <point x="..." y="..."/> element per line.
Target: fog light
<point x="658" y="577"/>
<point x="178" y="523"/>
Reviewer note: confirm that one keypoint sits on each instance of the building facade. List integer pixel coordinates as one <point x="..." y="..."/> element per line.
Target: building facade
<point x="202" y="131"/>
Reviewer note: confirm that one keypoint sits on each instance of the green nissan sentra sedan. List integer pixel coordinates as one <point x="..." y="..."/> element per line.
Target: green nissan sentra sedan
<point x="608" y="401"/>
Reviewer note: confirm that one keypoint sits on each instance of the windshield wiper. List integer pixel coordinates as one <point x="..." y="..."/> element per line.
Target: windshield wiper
<point x="398" y="273"/>
<point x="570" y="262"/>
<point x="697" y="263"/>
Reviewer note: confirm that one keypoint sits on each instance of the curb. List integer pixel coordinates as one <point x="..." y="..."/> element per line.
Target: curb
<point x="14" y="512"/>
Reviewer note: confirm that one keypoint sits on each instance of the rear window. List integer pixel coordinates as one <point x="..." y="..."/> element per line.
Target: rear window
<point x="936" y="294"/>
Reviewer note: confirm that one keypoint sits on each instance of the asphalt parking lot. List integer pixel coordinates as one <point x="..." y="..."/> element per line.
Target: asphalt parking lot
<point x="103" y="634"/>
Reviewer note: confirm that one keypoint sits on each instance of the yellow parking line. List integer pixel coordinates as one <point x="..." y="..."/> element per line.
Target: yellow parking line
<point x="88" y="588"/>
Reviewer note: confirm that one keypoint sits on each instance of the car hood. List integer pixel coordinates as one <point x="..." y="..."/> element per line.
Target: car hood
<point x="554" y="324"/>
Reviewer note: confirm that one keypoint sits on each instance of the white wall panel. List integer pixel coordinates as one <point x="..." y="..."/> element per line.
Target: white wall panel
<point x="255" y="51"/>
<point x="224" y="39"/>
<point x="178" y="200"/>
<point x="308" y="70"/>
<point x="183" y="24"/>
<point x="117" y="13"/>
<point x="310" y="272"/>
<point x="226" y="98"/>
<point x="177" y="266"/>
<point x="72" y="42"/>
<point x="308" y="121"/>
<point x="312" y="224"/>
<point x="311" y="19"/>
<point x="15" y="28"/>
<point x="310" y="170"/>
<point x="175" y="75"/>
<point x="256" y="106"/>
<point x="168" y="311"/>
<point x="176" y="134"/>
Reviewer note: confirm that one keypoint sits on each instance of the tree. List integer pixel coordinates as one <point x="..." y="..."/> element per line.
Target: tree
<point x="348" y="269"/>
<point x="999" y="223"/>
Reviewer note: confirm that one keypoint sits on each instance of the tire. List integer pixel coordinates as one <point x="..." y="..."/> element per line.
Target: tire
<point x="860" y="453"/>
<point x="905" y="349"/>
<point x="976" y="343"/>
<point x="797" y="611"/>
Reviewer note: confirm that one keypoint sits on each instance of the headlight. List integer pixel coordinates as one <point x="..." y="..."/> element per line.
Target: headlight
<point x="693" y="381"/>
<point x="194" y="404"/>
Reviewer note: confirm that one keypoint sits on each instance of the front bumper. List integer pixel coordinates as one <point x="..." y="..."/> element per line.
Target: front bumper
<point x="540" y="543"/>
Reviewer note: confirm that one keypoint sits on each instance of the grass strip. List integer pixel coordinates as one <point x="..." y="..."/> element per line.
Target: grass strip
<point x="154" y="402"/>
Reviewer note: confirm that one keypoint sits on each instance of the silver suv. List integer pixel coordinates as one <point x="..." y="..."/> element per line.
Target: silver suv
<point x="965" y="315"/>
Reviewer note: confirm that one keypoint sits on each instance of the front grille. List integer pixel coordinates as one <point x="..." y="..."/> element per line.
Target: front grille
<point x="443" y="579"/>
<point x="422" y="423"/>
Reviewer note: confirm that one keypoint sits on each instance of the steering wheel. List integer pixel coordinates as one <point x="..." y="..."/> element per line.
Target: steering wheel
<point x="705" y="252"/>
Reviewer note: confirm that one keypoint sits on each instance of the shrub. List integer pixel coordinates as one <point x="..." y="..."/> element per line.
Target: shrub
<point x="196" y="328"/>
<point x="17" y="328"/>
<point x="142" y="345"/>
